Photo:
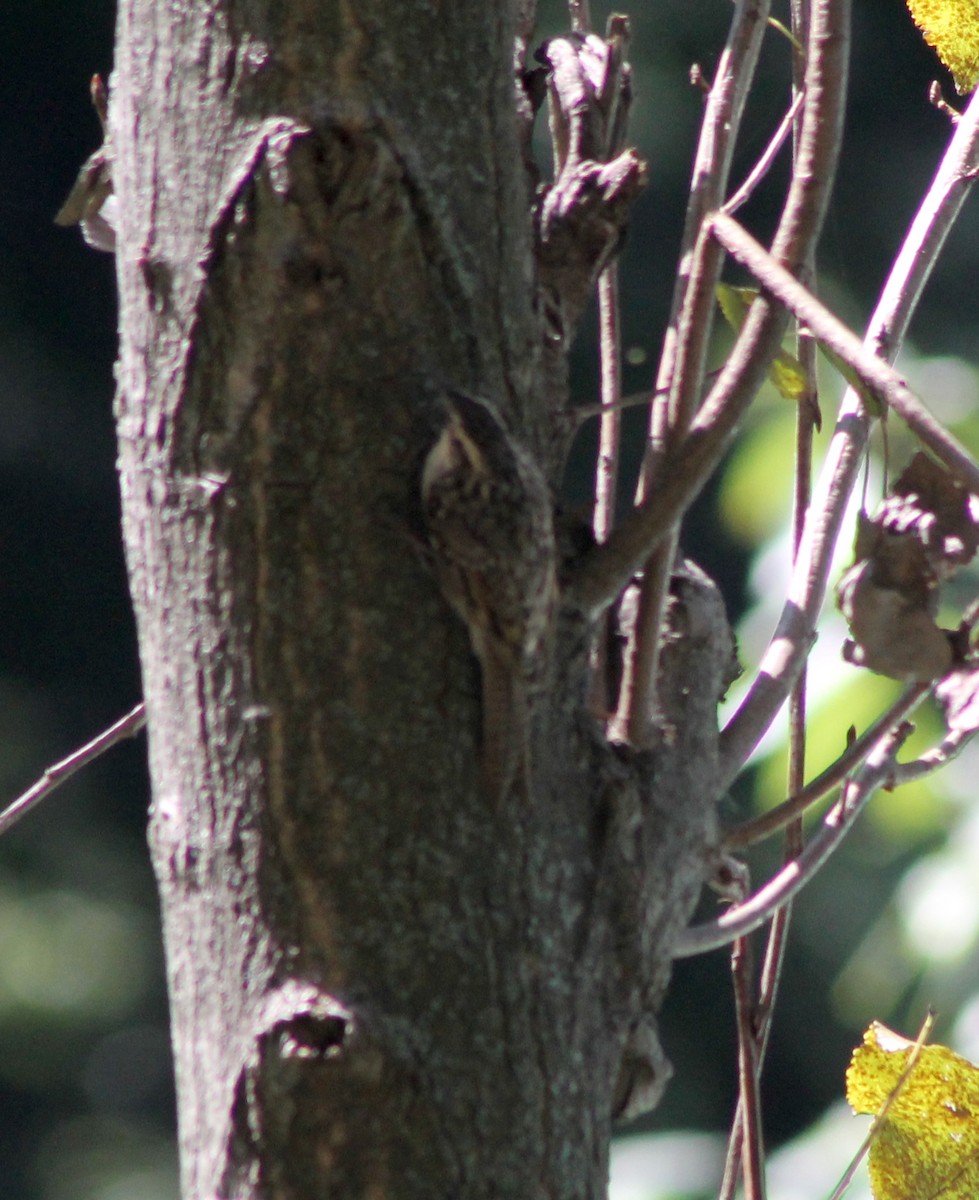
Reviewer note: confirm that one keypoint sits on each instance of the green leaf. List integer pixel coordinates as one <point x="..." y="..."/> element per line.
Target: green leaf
<point x="874" y="406"/>
<point x="786" y="372"/>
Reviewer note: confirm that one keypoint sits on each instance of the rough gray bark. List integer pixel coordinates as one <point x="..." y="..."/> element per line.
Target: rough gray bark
<point x="379" y="980"/>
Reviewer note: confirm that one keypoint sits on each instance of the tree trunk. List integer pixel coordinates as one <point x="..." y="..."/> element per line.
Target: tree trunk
<point x="384" y="977"/>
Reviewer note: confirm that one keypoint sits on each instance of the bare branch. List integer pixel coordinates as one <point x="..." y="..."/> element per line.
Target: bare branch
<point x="580" y="13"/>
<point x="749" y="1072"/>
<point x="606" y="570"/>
<point x="793" y="635"/>
<point x="886" y="384"/>
<point x="876" y="772"/>
<point x="607" y="466"/>
<point x="789" y="810"/>
<point x="57" y="774"/>
<point x="931" y="225"/>
<point x="682" y="362"/>
<point x="778" y="933"/>
<point x="607" y="473"/>
<point x="934" y="759"/>
<point x="764" y="164"/>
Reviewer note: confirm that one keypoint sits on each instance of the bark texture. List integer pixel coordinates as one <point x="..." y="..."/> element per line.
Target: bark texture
<point x="381" y="982"/>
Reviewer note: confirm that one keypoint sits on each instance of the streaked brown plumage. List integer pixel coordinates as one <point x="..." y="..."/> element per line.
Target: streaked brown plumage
<point x="490" y="524"/>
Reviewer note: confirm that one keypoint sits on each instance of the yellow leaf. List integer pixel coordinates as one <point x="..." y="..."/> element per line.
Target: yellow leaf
<point x="927" y="1144"/>
<point x="951" y="28"/>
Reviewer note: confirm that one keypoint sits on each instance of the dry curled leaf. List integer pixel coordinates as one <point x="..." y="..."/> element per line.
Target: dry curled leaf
<point x="930" y="503"/>
<point x="893" y="633"/>
<point x="924" y="531"/>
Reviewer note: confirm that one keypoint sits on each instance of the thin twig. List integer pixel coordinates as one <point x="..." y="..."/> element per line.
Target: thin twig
<point x="606" y="569"/>
<point x="749" y="1072"/>
<point x="875" y="1126"/>
<point x="584" y="412"/>
<point x="795" y="875"/>
<point x="54" y="776"/>
<point x="607" y="471"/>
<point x="682" y="363"/>
<point x="805" y="418"/>
<point x="743" y="1129"/>
<point x="934" y="759"/>
<point x="793" y="636"/>
<point x="880" y="377"/>
<point x="767" y="823"/>
<point x="778" y="934"/>
<point x="607" y="467"/>
<point x="688" y="336"/>
<point x="691" y="316"/>
<point x="764" y="164"/>
<point x="580" y="13"/>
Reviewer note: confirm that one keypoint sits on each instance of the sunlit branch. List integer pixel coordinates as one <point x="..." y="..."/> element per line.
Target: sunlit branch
<point x="607" y="473"/>
<point x="880" y="378"/>
<point x="934" y="759"/>
<point x="606" y="570"/>
<point x="579" y="12"/>
<point x="767" y="823"/>
<point x="749" y="1072"/>
<point x="776" y="943"/>
<point x="764" y="164"/>
<point x="683" y="361"/>
<point x="54" y="776"/>
<point x="792" y="639"/>
<point x="740" y="920"/>
<point x="607" y="465"/>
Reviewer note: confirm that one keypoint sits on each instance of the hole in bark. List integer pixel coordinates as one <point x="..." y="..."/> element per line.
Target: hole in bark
<point x="313" y="1037"/>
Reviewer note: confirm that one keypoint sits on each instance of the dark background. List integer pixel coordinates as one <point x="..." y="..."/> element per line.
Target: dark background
<point x="86" y="1104"/>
